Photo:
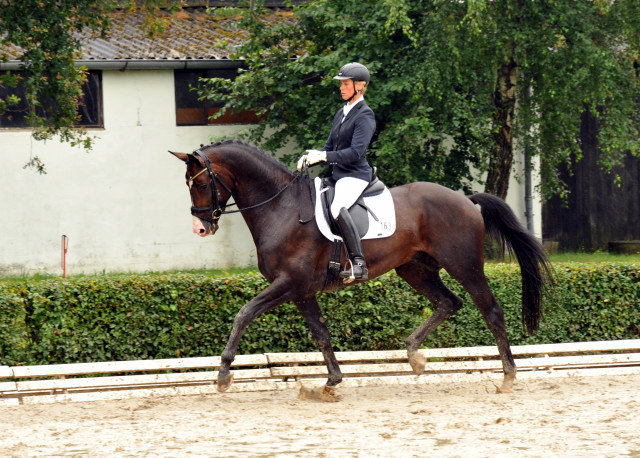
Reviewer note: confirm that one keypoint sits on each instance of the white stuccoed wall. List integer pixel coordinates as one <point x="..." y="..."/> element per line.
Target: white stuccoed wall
<point x="124" y="205"/>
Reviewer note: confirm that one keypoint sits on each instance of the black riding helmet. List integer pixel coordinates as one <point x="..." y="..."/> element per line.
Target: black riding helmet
<point x="355" y="72"/>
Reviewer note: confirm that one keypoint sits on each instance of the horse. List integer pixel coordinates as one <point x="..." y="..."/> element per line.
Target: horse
<point x="437" y="228"/>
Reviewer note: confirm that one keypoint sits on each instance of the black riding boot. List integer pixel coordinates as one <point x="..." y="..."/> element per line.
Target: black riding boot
<point x="351" y="239"/>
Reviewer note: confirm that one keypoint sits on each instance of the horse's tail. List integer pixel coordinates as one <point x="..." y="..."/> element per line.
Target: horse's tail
<point x="502" y="225"/>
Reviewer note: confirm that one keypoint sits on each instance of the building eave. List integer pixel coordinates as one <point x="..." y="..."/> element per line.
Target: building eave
<point x="142" y="64"/>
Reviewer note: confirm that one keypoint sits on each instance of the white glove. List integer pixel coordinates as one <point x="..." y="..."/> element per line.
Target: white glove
<point x="302" y="161"/>
<point x="314" y="156"/>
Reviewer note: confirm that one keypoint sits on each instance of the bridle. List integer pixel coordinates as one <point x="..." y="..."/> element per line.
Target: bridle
<point x="216" y="209"/>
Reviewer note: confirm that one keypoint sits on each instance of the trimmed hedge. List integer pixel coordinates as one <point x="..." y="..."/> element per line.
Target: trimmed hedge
<point x="185" y="315"/>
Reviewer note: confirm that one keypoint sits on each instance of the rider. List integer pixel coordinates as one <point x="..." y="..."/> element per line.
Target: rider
<point x="345" y="152"/>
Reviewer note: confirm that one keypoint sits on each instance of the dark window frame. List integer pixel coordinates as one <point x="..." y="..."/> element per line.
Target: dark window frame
<point x="193" y="112"/>
<point x="91" y="114"/>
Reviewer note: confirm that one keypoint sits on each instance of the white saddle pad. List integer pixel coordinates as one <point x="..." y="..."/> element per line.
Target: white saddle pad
<point x="381" y="206"/>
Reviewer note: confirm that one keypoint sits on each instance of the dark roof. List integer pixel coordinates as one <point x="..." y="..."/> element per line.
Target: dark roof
<point x="192" y="37"/>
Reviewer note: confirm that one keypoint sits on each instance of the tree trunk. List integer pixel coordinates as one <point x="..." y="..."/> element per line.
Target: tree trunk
<point x="502" y="151"/>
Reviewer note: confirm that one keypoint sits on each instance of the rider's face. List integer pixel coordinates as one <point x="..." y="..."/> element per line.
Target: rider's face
<point x="346" y="89"/>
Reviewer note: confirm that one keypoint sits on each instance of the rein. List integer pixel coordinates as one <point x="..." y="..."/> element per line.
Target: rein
<point x="215" y="208"/>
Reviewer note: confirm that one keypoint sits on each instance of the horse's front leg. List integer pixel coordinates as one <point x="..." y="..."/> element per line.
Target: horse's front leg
<point x="275" y="294"/>
<point x="310" y="310"/>
<point x="312" y="314"/>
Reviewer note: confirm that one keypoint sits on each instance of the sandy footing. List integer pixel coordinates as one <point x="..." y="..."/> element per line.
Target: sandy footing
<point x="586" y="416"/>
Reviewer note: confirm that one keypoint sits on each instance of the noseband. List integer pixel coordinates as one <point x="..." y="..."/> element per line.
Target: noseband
<point x="216" y="209"/>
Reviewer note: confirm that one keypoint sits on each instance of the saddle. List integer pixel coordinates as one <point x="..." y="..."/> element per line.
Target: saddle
<point x="359" y="211"/>
<point x="373" y="214"/>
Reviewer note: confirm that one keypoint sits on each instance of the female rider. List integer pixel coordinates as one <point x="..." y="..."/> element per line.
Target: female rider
<point x="345" y="152"/>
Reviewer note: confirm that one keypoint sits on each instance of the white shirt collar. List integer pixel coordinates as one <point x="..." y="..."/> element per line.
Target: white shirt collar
<point x="347" y="108"/>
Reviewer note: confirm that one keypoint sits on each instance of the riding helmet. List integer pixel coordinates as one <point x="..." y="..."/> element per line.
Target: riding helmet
<point x="354" y="71"/>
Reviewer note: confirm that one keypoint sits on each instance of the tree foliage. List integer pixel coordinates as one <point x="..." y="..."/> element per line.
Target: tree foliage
<point x="46" y="36"/>
<point x="455" y="84"/>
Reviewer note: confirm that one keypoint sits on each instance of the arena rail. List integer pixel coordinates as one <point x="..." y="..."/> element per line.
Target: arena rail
<point x="277" y="371"/>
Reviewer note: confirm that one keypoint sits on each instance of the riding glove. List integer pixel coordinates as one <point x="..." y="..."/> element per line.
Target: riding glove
<point x="302" y="161"/>
<point x="314" y="156"/>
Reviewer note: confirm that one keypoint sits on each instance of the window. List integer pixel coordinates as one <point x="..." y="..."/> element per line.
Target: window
<point x="193" y="112"/>
<point x="90" y="108"/>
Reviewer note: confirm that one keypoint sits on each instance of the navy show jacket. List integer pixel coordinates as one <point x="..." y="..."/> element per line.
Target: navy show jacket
<point x="347" y="144"/>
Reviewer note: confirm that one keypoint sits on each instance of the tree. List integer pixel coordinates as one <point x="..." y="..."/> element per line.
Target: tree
<point x="455" y="85"/>
<point x="556" y="60"/>
<point x="46" y="37"/>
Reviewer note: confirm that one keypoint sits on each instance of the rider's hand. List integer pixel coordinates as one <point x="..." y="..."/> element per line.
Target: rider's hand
<point x="302" y="161"/>
<point x="314" y="156"/>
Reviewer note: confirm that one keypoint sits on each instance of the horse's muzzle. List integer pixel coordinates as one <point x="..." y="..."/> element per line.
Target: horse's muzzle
<point x="203" y="228"/>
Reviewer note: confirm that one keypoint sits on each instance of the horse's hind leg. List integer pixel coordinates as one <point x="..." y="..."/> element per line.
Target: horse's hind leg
<point x="493" y="315"/>
<point x="426" y="280"/>
<point x="471" y="277"/>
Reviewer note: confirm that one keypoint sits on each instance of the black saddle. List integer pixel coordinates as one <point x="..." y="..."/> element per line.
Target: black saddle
<point x="358" y="211"/>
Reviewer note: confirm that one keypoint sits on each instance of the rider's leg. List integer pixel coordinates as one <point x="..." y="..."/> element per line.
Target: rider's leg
<point x="351" y="239"/>
<point x="347" y="192"/>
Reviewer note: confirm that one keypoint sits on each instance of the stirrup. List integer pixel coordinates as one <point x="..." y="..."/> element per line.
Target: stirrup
<point x="352" y="277"/>
<point x="349" y="275"/>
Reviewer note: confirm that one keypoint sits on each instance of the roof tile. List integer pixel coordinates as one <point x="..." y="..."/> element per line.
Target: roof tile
<point x="192" y="33"/>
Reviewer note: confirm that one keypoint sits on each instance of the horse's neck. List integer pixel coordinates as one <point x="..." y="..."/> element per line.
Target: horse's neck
<point x="256" y="178"/>
<point x="258" y="184"/>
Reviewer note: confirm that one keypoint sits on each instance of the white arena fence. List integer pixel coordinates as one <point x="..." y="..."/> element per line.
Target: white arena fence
<point x="278" y="371"/>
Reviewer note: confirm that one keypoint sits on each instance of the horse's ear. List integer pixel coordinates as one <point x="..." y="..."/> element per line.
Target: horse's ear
<point x="184" y="157"/>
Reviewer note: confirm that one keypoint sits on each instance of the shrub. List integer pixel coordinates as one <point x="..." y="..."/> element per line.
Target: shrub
<point x="128" y="317"/>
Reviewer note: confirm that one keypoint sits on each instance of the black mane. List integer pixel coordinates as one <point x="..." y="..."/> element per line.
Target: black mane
<point x="253" y="150"/>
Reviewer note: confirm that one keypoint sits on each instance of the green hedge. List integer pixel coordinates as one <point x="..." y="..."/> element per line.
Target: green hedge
<point x="184" y="315"/>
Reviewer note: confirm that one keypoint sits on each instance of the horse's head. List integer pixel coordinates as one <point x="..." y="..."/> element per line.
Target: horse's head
<point x="207" y="200"/>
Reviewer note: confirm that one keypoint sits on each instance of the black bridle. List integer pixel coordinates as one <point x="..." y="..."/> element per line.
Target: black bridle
<point x="216" y="208"/>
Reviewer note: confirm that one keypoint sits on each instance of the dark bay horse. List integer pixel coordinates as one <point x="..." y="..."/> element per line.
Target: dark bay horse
<point x="437" y="228"/>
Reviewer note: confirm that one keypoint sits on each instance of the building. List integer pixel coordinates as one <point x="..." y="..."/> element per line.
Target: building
<point x="124" y="206"/>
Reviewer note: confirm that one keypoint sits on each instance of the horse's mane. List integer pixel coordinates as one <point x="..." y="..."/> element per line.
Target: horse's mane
<point x="253" y="150"/>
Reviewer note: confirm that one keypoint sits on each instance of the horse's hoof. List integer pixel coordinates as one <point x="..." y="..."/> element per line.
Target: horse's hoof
<point x="324" y="393"/>
<point x="507" y="384"/>
<point x="329" y="394"/>
<point x="417" y="362"/>
<point x="224" y="382"/>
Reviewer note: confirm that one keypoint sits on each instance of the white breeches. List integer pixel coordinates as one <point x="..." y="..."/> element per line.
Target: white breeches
<point x="348" y="190"/>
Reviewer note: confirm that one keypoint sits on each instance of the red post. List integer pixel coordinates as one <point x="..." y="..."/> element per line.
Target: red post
<point x="65" y="247"/>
